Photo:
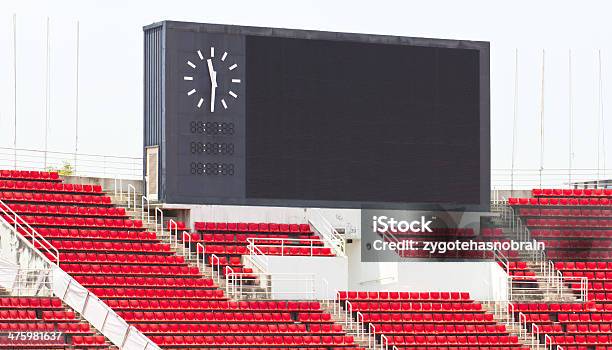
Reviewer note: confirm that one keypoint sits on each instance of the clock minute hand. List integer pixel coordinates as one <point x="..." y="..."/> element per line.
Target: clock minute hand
<point x="213" y="83"/>
<point x="212" y="73"/>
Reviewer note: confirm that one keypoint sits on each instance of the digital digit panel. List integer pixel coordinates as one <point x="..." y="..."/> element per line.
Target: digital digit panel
<point x="263" y="116"/>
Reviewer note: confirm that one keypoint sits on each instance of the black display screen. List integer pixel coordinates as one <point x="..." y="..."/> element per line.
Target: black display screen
<point x="366" y="122"/>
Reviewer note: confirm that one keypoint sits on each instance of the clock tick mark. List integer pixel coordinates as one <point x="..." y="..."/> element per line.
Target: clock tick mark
<point x="223" y="103"/>
<point x="187" y="78"/>
<point x="191" y="64"/>
<point x="233" y="94"/>
<point x="236" y="81"/>
<point x="233" y="66"/>
<point x="212" y="51"/>
<point x="200" y="55"/>
<point x="191" y="92"/>
<point x="224" y="56"/>
<point x="200" y="102"/>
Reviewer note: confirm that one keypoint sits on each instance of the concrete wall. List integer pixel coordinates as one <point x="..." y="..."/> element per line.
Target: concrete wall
<point x="330" y="275"/>
<point x="484" y="280"/>
<point x="108" y="184"/>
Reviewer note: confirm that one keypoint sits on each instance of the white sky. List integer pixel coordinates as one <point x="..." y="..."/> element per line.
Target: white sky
<point x="111" y="64"/>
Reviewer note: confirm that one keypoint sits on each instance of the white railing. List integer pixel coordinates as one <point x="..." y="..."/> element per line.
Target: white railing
<point x="18" y="281"/>
<point x="131" y="197"/>
<point x="544" y="178"/>
<point x="357" y="325"/>
<point x="81" y="164"/>
<point x="159" y="223"/>
<point x="264" y="244"/>
<point x="22" y="227"/>
<point x="257" y="258"/>
<point x="294" y="285"/>
<point x="330" y="235"/>
<point x="146" y="206"/>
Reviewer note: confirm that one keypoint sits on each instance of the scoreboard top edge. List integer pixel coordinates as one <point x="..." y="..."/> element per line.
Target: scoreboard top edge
<point x="316" y="34"/>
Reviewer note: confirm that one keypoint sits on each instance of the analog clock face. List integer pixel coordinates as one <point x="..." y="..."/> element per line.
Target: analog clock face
<point x="211" y="79"/>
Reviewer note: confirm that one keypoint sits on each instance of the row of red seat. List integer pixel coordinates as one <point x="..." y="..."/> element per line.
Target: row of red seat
<point x="113" y="235"/>
<point x="565" y="212"/>
<point x="242" y="237"/>
<point x="58" y="315"/>
<point x="601" y="275"/>
<point x="110" y="246"/>
<point x="588" y="265"/>
<point x="204" y="328"/>
<point x="17" y="314"/>
<point x="574" y="202"/>
<point x="408" y="328"/>
<point x="216" y="317"/>
<point x="585" y="317"/>
<point x="589" y="328"/>
<point x="121" y="258"/>
<point x="252" y="227"/>
<point x="581" y="243"/>
<point x="144" y="304"/>
<point x="428" y="317"/>
<point x="576" y="255"/>
<point x="158" y="293"/>
<point x="570" y="222"/>
<point x="65" y="210"/>
<point x="89" y="340"/>
<point x="36" y="197"/>
<point x="571" y="192"/>
<point x="571" y="233"/>
<point x="438" y="231"/>
<point x="30" y="175"/>
<point x="433" y="296"/>
<point x="134" y="270"/>
<point x="174" y="282"/>
<point x="582" y="339"/>
<point x="215" y="341"/>
<point x="49" y="187"/>
<point x="453" y="340"/>
<point x="67" y="222"/>
<point x="242" y="250"/>
<point x="16" y="302"/>
<point x="396" y="306"/>
<point x="553" y="307"/>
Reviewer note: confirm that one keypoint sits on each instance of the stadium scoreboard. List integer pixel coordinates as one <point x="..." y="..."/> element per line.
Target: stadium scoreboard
<point x="264" y="116"/>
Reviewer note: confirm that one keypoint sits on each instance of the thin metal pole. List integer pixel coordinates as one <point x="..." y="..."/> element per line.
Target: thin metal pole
<point x="76" y="101"/>
<point x="571" y="116"/>
<point x="542" y="118"/>
<point x="47" y="98"/>
<point x="602" y="125"/>
<point x="15" y="89"/>
<point x="514" y="121"/>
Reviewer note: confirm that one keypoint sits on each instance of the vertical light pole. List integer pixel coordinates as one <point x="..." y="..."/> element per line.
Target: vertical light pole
<point x="542" y="118"/>
<point x="15" y="89"/>
<point x="47" y="102"/>
<point x="514" y="121"/>
<point x="76" y="101"/>
<point x="571" y="116"/>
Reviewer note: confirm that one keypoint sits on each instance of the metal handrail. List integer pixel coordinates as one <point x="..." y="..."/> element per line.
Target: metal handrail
<point x="253" y="242"/>
<point x="145" y="199"/>
<point x="358" y="322"/>
<point x="21" y="226"/>
<point x="329" y="234"/>
<point x="131" y="187"/>
<point x="554" y="277"/>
